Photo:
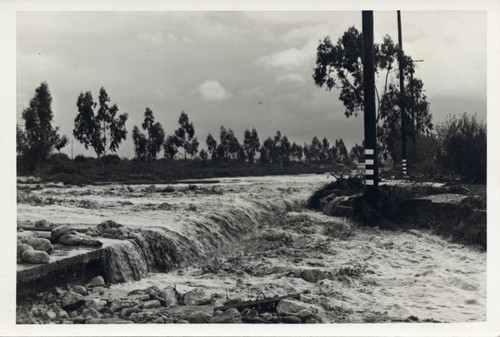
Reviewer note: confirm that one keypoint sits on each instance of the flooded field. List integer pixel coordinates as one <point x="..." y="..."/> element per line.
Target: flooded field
<point x="242" y="239"/>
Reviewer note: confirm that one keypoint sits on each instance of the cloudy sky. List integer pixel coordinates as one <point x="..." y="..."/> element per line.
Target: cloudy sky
<point x="237" y="69"/>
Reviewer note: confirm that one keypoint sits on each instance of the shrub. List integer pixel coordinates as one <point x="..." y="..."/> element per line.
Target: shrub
<point x="80" y="158"/>
<point x="463" y="147"/>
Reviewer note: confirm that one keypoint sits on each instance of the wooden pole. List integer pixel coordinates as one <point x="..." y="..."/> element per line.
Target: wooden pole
<point x="402" y="97"/>
<point x="371" y="158"/>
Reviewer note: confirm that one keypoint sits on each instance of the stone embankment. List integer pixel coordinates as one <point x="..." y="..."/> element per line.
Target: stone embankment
<point x="452" y="211"/>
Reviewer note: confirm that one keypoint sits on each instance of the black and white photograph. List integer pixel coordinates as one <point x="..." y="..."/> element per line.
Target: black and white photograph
<point x="251" y="171"/>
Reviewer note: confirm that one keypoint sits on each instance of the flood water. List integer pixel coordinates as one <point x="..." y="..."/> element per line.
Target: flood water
<point x="373" y="272"/>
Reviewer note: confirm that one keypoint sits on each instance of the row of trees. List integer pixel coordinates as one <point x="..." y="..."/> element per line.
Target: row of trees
<point x="100" y="127"/>
<point x="339" y="66"/>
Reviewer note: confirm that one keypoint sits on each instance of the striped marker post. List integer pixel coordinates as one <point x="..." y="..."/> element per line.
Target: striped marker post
<point x="403" y="166"/>
<point x="370" y="167"/>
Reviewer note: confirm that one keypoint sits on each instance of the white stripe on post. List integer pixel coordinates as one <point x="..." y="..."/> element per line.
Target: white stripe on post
<point x="369" y="182"/>
<point x="369" y="172"/>
<point x="368" y="151"/>
<point x="369" y="161"/>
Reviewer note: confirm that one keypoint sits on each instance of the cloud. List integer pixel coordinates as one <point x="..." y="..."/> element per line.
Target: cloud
<point x="151" y="37"/>
<point x="293" y="78"/>
<point x="289" y="59"/>
<point x="213" y="91"/>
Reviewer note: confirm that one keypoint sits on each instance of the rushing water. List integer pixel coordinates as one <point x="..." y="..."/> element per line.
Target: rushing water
<point x="404" y="273"/>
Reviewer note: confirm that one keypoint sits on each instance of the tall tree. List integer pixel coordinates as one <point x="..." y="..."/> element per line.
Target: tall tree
<point x="170" y="147"/>
<point x="285" y="151"/>
<point x="297" y="151"/>
<point x="251" y="144"/>
<point x="39" y="137"/>
<point x="212" y="146"/>
<point x="150" y="146"/>
<point x="185" y="135"/>
<point x="102" y="131"/>
<point x="339" y="66"/>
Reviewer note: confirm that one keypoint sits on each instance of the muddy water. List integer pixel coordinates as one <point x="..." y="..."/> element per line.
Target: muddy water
<point x="368" y="276"/>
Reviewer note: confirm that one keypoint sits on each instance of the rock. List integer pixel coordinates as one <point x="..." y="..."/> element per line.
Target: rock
<point x="41" y="244"/>
<point x="21" y="248"/>
<point x="290" y="319"/>
<point x="43" y="224"/>
<point x="72" y="300"/>
<point x="182" y="321"/>
<point x="290" y="307"/>
<point x="51" y="314"/>
<point x="59" y="292"/>
<point x="254" y="320"/>
<point x="112" y="229"/>
<point x="249" y="312"/>
<point x="229" y="316"/>
<point x="199" y="317"/>
<point x="95" y="303"/>
<point x="94" y="313"/>
<point x="196" y="297"/>
<point x="93" y="320"/>
<point x="304" y="314"/>
<point x="152" y="304"/>
<point x="78" y="320"/>
<point x="266" y="316"/>
<point x="158" y="320"/>
<point x="35" y="256"/>
<point x="78" y="240"/>
<point x="312" y="275"/>
<point x="80" y="290"/>
<point x="63" y="314"/>
<point x="97" y="281"/>
<point x="59" y="231"/>
<point x="171" y="296"/>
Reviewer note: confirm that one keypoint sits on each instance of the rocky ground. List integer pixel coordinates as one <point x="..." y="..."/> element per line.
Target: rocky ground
<point x="338" y="272"/>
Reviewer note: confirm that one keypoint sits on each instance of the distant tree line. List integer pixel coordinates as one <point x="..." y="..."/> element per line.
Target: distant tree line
<point x="458" y="146"/>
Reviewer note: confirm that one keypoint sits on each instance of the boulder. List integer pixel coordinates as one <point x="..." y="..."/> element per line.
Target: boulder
<point x="35" y="256"/>
<point x="22" y="248"/>
<point x="59" y="231"/>
<point x="63" y="314"/>
<point x="196" y="297"/>
<point x="290" y="307"/>
<point x="72" y="300"/>
<point x="229" y="316"/>
<point x="171" y="296"/>
<point x="96" y="304"/>
<point x="80" y="290"/>
<point x="304" y="314"/>
<point x="112" y="229"/>
<point x="43" y="224"/>
<point x="97" y="281"/>
<point x="41" y="244"/>
<point x="152" y="304"/>
<point x="78" y="240"/>
<point x="291" y="319"/>
<point x="312" y="275"/>
<point x="199" y="317"/>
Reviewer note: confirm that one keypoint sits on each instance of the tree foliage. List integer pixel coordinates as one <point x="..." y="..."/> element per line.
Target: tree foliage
<point x="148" y="146"/>
<point x="39" y="137"/>
<point x="339" y="66"/>
<point x="251" y="144"/>
<point x="183" y="137"/>
<point x="463" y="147"/>
<point x="102" y="131"/>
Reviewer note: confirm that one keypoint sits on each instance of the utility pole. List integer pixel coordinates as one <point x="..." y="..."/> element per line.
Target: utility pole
<point x="371" y="157"/>
<point x="402" y="96"/>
